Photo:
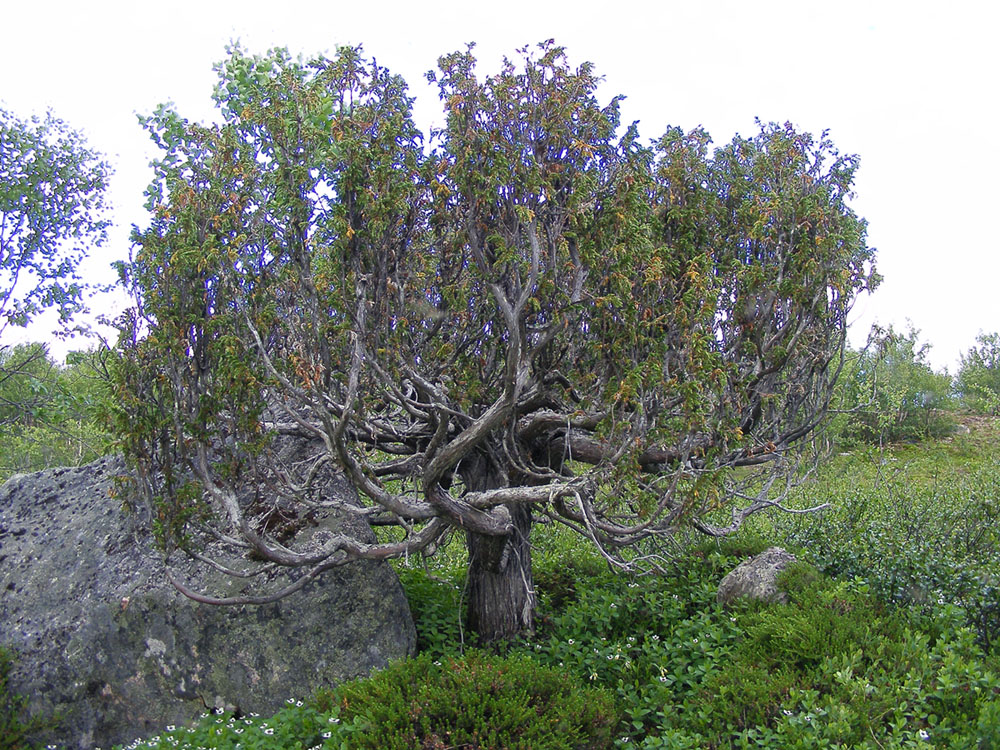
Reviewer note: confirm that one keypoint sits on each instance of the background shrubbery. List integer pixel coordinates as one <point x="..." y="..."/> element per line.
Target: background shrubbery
<point x="921" y="524"/>
<point x="978" y="380"/>
<point x="50" y="414"/>
<point x="889" y="393"/>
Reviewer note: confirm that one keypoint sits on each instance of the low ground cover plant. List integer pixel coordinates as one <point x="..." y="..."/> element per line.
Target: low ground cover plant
<point x="836" y="667"/>
<point x="669" y="668"/>
<point x="477" y="701"/>
<point x="474" y="701"/>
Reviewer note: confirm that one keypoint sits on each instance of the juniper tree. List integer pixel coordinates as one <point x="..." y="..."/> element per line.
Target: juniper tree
<point x="527" y="314"/>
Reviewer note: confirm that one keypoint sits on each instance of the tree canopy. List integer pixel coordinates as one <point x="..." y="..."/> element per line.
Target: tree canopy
<point x="527" y="313"/>
<point x="52" y="214"/>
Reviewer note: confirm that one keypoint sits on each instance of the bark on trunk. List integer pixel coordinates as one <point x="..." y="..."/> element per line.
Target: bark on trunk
<point x="501" y="592"/>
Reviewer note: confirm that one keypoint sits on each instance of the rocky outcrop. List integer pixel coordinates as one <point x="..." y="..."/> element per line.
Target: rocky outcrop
<point x="756" y="578"/>
<point x="107" y="644"/>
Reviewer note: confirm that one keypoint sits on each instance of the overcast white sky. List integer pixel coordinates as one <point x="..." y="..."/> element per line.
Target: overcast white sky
<point x="910" y="86"/>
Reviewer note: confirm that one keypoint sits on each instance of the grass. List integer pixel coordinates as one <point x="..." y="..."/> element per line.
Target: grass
<point x="889" y="640"/>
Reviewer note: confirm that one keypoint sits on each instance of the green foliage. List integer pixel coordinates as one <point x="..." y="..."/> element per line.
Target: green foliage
<point x="988" y="726"/>
<point x="51" y="215"/>
<point x="835" y="665"/>
<point x="978" y="380"/>
<point x="888" y="392"/>
<point x="477" y="701"/>
<point x="15" y="726"/>
<point x="875" y="658"/>
<point x="437" y="608"/>
<point x="297" y="726"/>
<point x="918" y="524"/>
<point x="838" y="666"/>
<point x="561" y="579"/>
<point x="50" y="415"/>
<point x="786" y="644"/>
<point x="474" y="701"/>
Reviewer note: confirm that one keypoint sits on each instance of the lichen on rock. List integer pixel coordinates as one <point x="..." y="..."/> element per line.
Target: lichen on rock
<point x="756" y="578"/>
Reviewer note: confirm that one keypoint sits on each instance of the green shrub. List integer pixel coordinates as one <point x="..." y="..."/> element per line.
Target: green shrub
<point x="437" y="609"/>
<point x="478" y="701"/>
<point x="717" y="557"/>
<point x="978" y="380"/>
<point x="824" y="619"/>
<point x="921" y="526"/>
<point x="888" y="392"/>
<point x="988" y="725"/>
<point x="651" y="640"/>
<point x="49" y="414"/>
<point x="560" y="579"/>
<point x="801" y="581"/>
<point x="838" y="668"/>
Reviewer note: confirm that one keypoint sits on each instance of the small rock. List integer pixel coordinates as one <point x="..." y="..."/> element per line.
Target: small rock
<point x="756" y="578"/>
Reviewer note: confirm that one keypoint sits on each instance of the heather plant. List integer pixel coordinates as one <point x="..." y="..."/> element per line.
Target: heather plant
<point x="475" y="701"/>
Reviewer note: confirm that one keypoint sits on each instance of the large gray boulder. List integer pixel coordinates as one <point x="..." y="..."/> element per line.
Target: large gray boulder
<point x="756" y="578"/>
<point x="106" y="643"/>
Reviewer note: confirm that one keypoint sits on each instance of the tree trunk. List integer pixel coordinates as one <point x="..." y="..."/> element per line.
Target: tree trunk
<point x="501" y="592"/>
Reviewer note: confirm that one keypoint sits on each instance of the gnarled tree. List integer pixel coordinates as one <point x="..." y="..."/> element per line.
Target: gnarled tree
<point x="531" y="315"/>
